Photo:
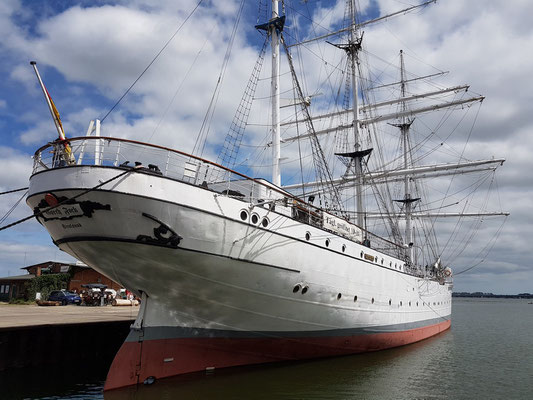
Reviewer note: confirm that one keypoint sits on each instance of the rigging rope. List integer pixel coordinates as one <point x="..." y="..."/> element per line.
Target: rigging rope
<point x="299" y="148"/>
<point x="180" y="85"/>
<point x="12" y="208"/>
<point x="431" y="226"/>
<point x="322" y="169"/>
<point x="488" y="249"/>
<point x="14" y="190"/>
<point x="153" y="60"/>
<point x="201" y="138"/>
<point x="232" y="142"/>
<point x="40" y="213"/>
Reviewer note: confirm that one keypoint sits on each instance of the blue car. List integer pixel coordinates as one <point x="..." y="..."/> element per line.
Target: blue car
<point x="64" y="297"/>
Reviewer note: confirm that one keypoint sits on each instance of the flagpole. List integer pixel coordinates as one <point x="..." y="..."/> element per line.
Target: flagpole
<point x="68" y="157"/>
<point x="49" y="102"/>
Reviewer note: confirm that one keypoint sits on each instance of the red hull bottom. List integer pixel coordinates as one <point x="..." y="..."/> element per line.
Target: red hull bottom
<point x="136" y="361"/>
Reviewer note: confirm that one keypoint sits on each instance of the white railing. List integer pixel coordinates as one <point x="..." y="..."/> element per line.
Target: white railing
<point x="183" y="167"/>
<point x="158" y="160"/>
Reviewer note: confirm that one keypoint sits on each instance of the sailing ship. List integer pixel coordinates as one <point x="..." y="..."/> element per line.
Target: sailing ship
<point x="234" y="270"/>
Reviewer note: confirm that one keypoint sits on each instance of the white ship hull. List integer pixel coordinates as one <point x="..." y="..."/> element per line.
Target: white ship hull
<point x="232" y="291"/>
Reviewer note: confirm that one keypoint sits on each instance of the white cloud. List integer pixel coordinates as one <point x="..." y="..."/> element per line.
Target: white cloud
<point x="103" y="48"/>
<point x="16" y="168"/>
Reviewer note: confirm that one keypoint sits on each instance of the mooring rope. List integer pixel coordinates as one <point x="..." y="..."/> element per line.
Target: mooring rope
<point x="40" y="213"/>
<point x="13" y="191"/>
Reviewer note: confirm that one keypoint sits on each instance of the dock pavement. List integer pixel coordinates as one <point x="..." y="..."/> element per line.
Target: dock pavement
<point x="33" y="315"/>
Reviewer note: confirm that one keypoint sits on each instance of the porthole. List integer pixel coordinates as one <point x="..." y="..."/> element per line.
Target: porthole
<point x="417" y="303"/>
<point x="390" y="302"/>
<point x="362" y="254"/>
<point x="339" y="296"/>
<point x="307" y="236"/>
<point x="264" y="222"/>
<point x="327" y="242"/>
<point x="401" y="303"/>
<point x="372" y="300"/>
<point x="296" y="288"/>
<point x="343" y="248"/>
<point x="305" y="289"/>
<point x="409" y="304"/>
<point x="244" y="215"/>
<point x="390" y="264"/>
<point x="355" y="298"/>
<point x="255" y="219"/>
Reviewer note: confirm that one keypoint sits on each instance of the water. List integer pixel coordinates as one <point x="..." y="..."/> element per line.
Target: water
<point x="488" y="354"/>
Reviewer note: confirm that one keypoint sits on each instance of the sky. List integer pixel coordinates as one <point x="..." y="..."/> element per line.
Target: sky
<point x="89" y="53"/>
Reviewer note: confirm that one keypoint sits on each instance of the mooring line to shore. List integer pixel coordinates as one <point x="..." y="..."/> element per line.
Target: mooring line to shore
<point x="40" y="213"/>
<point x="14" y="190"/>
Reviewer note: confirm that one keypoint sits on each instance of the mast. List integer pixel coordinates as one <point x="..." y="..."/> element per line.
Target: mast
<point x="276" y="173"/>
<point x="405" y="132"/>
<point x="404" y="126"/>
<point x="352" y="50"/>
<point x="355" y="46"/>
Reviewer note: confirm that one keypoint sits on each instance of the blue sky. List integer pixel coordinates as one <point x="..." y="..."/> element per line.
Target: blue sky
<point x="89" y="52"/>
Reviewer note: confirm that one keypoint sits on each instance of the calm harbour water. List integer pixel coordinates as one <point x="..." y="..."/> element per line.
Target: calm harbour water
<point x="487" y="354"/>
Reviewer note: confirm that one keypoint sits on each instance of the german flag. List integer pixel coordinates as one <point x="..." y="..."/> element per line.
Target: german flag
<point x="68" y="151"/>
<point x="56" y="113"/>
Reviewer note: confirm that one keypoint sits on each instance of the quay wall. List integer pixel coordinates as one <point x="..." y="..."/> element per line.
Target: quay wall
<point x="52" y="344"/>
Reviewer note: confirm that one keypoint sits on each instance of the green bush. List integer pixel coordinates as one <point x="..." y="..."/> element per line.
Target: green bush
<point x="46" y="284"/>
<point x="19" y="301"/>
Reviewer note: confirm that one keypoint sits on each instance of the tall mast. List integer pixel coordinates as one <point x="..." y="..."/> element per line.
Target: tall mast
<point x="352" y="50"/>
<point x="355" y="46"/>
<point x="405" y="132"/>
<point x="408" y="201"/>
<point x="276" y="173"/>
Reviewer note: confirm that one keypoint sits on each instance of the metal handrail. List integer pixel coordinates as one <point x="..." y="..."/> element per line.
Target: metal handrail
<point x="81" y="147"/>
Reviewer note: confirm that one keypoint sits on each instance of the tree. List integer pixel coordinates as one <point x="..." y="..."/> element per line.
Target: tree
<point x="45" y="284"/>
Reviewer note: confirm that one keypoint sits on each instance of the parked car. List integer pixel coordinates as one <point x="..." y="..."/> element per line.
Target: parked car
<point x="64" y="297"/>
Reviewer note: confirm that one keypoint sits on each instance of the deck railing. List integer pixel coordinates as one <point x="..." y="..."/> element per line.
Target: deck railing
<point x="183" y="167"/>
<point x="174" y="164"/>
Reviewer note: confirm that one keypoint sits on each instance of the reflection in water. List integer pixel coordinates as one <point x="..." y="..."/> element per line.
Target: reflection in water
<point x="387" y="374"/>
